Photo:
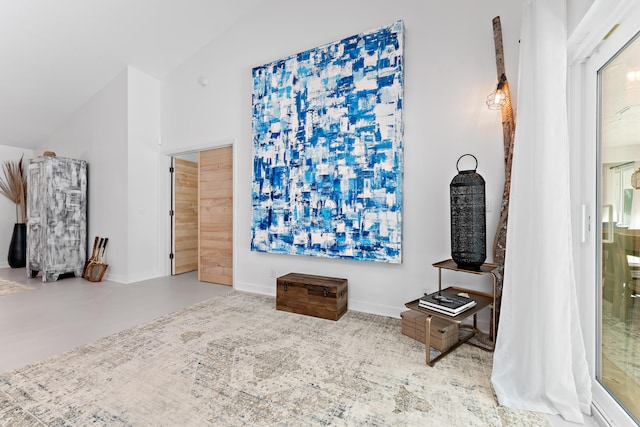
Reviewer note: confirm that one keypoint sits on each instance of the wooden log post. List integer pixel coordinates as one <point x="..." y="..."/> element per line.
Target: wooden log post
<point x="508" y="133"/>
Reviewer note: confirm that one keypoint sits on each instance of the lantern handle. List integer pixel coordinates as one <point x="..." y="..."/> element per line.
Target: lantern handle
<point x="474" y="157"/>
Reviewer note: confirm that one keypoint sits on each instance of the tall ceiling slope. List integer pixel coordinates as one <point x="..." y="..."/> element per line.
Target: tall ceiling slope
<point x="55" y="55"/>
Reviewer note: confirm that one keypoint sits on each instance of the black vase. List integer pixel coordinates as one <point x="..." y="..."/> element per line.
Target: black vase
<point x="18" y="247"/>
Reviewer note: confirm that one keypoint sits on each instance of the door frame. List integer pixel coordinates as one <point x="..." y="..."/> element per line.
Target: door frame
<point x="163" y="211"/>
<point x="590" y="47"/>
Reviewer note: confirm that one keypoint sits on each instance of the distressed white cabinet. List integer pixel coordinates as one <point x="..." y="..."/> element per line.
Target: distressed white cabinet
<point x="56" y="217"/>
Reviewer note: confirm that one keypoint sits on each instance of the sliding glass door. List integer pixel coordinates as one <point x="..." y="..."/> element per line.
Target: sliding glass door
<point x="619" y="198"/>
<point x="604" y="117"/>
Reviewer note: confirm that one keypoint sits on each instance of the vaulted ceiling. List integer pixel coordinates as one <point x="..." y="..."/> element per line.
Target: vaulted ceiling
<point x="55" y="55"/>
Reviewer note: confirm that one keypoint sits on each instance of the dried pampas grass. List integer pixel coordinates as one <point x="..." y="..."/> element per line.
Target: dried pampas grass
<point x="14" y="186"/>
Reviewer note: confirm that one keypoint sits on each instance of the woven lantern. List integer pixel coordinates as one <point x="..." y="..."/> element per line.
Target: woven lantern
<point x="635" y="179"/>
<point x="468" y="218"/>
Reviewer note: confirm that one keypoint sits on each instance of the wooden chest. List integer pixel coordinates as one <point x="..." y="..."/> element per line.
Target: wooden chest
<point x="443" y="334"/>
<point x="317" y="296"/>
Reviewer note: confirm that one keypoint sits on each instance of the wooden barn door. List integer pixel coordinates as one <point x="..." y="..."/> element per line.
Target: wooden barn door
<point x="215" y="210"/>
<point x="185" y="221"/>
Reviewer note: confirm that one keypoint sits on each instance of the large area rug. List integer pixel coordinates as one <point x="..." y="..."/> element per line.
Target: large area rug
<point x="236" y="361"/>
<point x="10" y="287"/>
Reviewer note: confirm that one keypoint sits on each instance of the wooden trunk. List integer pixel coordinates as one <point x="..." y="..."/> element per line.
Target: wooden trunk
<point x="443" y="334"/>
<point x="317" y="296"/>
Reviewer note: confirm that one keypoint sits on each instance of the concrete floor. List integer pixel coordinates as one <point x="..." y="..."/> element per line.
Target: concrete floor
<point x="59" y="316"/>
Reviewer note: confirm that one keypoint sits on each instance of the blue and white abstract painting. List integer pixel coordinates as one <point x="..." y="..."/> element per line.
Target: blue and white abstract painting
<point x="328" y="150"/>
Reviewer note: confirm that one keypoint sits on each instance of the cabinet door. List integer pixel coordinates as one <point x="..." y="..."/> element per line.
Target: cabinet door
<point x="34" y="224"/>
<point x="56" y="229"/>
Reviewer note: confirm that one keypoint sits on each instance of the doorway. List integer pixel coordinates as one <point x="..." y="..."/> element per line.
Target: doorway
<point x="202" y="214"/>
<point x="185" y="213"/>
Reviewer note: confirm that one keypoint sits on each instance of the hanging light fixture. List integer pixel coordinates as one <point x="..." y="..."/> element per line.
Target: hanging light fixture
<point x="498" y="99"/>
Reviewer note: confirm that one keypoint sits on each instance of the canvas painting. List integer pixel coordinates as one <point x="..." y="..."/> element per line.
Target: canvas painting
<point x="328" y="150"/>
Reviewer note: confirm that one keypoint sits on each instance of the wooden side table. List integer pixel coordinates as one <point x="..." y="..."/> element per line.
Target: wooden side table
<point x="483" y="300"/>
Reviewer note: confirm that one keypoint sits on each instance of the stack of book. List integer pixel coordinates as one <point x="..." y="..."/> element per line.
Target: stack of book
<point x="447" y="302"/>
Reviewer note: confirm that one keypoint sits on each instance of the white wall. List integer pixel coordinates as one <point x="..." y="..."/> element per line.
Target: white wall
<point x="117" y="133"/>
<point x="8" y="208"/>
<point x="97" y="133"/>
<point x="576" y="10"/>
<point x="449" y="70"/>
<point x="144" y="178"/>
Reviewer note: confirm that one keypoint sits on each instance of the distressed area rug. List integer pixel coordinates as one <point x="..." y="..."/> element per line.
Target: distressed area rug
<point x="10" y="287"/>
<point x="236" y="361"/>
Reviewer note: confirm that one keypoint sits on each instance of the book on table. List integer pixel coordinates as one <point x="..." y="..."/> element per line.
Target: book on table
<point x="447" y="302"/>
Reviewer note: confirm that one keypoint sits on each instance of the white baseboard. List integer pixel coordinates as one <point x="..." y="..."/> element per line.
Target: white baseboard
<point x="125" y="280"/>
<point x="364" y="307"/>
<point x="255" y="289"/>
<point x="117" y="278"/>
<point x="355" y="305"/>
<point x="381" y="310"/>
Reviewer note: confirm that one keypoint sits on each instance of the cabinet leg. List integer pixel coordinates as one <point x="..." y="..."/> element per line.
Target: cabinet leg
<point x="50" y="276"/>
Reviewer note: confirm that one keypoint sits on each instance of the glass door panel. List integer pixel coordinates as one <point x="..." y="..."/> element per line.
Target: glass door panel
<point x="619" y="197"/>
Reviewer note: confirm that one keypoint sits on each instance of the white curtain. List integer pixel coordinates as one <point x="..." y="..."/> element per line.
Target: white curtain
<point x="540" y="362"/>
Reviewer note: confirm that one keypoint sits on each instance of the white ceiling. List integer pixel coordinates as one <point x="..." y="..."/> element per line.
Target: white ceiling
<point x="56" y="54"/>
